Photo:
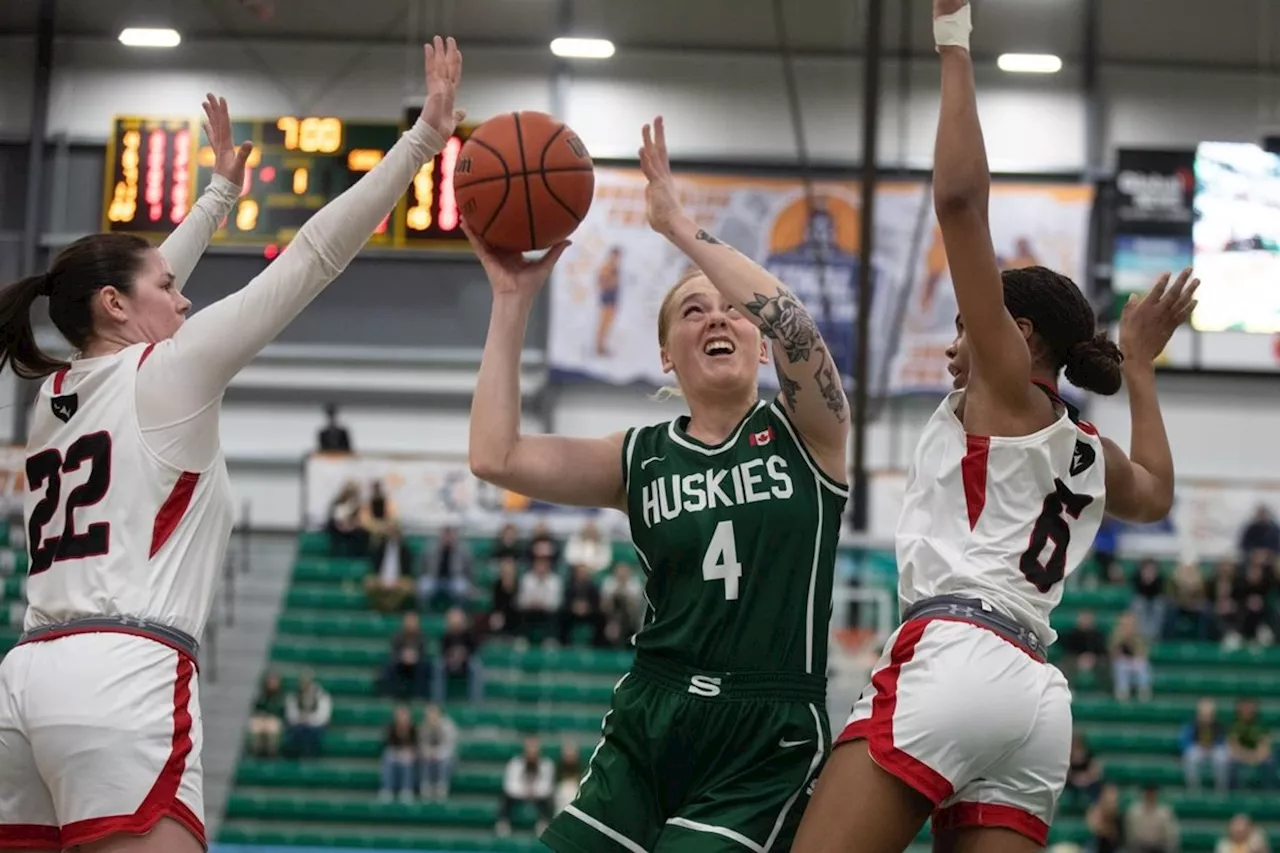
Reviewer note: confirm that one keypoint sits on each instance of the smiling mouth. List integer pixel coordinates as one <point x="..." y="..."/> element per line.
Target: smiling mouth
<point x="719" y="348"/>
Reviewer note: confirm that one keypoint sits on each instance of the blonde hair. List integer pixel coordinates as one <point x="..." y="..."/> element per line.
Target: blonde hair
<point x="666" y="392"/>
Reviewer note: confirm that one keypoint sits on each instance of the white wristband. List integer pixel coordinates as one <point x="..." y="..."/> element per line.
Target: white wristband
<point x="953" y="30"/>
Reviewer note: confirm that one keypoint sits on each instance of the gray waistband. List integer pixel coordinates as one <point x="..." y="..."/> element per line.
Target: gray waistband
<point x="171" y="637"/>
<point x="979" y="613"/>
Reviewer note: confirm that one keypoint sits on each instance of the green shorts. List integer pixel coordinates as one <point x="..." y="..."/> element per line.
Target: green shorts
<point x="698" y="761"/>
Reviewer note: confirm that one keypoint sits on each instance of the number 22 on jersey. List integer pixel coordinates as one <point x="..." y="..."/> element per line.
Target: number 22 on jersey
<point x="45" y="470"/>
<point x="720" y="562"/>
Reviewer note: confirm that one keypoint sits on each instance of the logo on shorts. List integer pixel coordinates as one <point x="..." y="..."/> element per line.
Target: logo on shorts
<point x="787" y="744"/>
<point x="704" y="685"/>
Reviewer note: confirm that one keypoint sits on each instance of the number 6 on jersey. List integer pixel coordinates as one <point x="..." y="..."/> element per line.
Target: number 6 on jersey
<point x="720" y="563"/>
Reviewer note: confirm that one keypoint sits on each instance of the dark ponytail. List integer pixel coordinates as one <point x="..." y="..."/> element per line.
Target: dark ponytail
<point x="1094" y="365"/>
<point x="79" y="271"/>
<point x="18" y="346"/>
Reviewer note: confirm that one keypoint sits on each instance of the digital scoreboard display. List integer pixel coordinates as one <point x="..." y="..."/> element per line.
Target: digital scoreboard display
<point x="156" y="169"/>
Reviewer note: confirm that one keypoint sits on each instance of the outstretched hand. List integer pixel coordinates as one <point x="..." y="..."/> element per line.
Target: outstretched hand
<point x="444" y="71"/>
<point x="662" y="204"/>
<point x="228" y="159"/>
<point x="1147" y="324"/>
<point x="508" y="271"/>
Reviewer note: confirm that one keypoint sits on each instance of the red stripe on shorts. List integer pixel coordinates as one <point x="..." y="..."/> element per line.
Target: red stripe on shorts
<point x="172" y="510"/>
<point x="963" y="815"/>
<point x="29" y="836"/>
<point x="877" y="729"/>
<point x="162" y="800"/>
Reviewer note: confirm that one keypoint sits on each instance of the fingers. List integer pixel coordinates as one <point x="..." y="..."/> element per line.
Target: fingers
<point x="553" y="254"/>
<point x="208" y="132"/>
<point x="1157" y="292"/>
<point x="242" y="155"/>
<point x="660" y="129"/>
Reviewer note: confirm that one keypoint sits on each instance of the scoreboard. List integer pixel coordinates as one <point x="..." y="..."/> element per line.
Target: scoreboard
<point x="157" y="167"/>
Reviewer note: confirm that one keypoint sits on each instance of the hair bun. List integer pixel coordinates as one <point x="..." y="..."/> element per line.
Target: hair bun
<point x="1094" y="364"/>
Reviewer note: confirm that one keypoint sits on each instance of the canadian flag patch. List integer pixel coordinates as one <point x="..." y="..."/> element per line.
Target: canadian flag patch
<point x="760" y="439"/>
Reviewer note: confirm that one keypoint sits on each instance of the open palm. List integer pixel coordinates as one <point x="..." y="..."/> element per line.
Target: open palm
<point x="228" y="159"/>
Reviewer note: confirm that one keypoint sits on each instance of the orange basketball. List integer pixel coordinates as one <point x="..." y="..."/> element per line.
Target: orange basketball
<point x="524" y="181"/>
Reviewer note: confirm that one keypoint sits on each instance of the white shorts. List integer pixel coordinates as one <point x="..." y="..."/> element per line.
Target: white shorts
<point x="970" y="720"/>
<point x="99" y="734"/>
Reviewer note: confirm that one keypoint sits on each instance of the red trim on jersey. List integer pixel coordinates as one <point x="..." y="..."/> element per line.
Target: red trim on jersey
<point x="973" y="471"/>
<point x="58" y="378"/>
<point x="172" y="510"/>
<point x="145" y="353"/>
<point x="1087" y="427"/>
<point x="71" y="631"/>
<point x="877" y="729"/>
<point x="162" y="800"/>
<point x="29" y="836"/>
<point x="1051" y="387"/>
<point x="963" y="815"/>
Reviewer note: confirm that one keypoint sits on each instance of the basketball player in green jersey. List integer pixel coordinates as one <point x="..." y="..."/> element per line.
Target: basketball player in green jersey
<point x="716" y="733"/>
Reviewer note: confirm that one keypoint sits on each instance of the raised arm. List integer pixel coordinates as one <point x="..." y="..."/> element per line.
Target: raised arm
<point x="1140" y="485"/>
<point x="183" y="248"/>
<point x="186" y="375"/>
<point x="553" y="468"/>
<point x="961" y="190"/>
<point x="811" y="386"/>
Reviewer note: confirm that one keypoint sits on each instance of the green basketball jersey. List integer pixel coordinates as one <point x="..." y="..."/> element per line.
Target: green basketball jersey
<point x="738" y="541"/>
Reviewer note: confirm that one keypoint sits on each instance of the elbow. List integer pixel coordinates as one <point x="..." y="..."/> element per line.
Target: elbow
<point x="959" y="202"/>
<point x="485" y="467"/>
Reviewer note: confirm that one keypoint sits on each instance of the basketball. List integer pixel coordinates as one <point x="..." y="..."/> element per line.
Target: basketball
<point x="524" y="181"/>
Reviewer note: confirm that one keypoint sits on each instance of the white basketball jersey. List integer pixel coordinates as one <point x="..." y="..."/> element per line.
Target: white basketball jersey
<point x="1003" y="519"/>
<point x="111" y="529"/>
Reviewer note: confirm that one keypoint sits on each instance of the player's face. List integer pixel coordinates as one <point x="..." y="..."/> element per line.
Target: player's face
<point x="156" y="308"/>
<point x="710" y="344"/>
<point x="958" y="357"/>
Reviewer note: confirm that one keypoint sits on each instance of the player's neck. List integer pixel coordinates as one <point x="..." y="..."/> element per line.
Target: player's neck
<point x="711" y="421"/>
<point x="98" y="347"/>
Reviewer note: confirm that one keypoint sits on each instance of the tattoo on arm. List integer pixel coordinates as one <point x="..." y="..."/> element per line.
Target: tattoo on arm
<point x="829" y="386"/>
<point x="788" y="386"/>
<point x="783" y="319"/>
<point x="708" y="238"/>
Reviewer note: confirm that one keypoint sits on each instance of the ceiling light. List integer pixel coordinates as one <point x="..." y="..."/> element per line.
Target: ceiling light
<point x="580" y="48"/>
<point x="149" y="37"/>
<point x="1029" y="63"/>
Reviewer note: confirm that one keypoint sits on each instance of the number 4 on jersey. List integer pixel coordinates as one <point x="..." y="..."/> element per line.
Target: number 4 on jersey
<point x="720" y="563"/>
<point x="1050" y="525"/>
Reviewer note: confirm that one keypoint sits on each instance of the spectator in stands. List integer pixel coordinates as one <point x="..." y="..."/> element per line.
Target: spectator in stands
<point x="1252" y="595"/>
<point x="1148" y="599"/>
<point x="1085" y="646"/>
<point x="333" y="438"/>
<point x="379" y="513"/>
<point x="539" y="599"/>
<point x="508" y="544"/>
<point x="458" y="658"/>
<point x="1226" y="611"/>
<point x="1261" y="533"/>
<point x="407" y="672"/>
<point x="1104" y="821"/>
<point x="1189" y="603"/>
<point x="307" y="711"/>
<point x="581" y="606"/>
<point x="568" y="774"/>
<point x="542" y="545"/>
<point x="399" y="757"/>
<point x="389" y="583"/>
<point x="348" y="537"/>
<point x="267" y="721"/>
<point x="1084" y="772"/>
<point x="447" y="571"/>
<point x="503" y="616"/>
<point x="1242" y="837"/>
<point x="438" y="746"/>
<point x="1104" y="552"/>
<point x="529" y="778"/>
<point x="1150" y="826"/>
<point x="588" y="548"/>
<point x="1250" y="745"/>
<point x="622" y="603"/>
<point x="1130" y="666"/>
<point x="1204" y="741"/>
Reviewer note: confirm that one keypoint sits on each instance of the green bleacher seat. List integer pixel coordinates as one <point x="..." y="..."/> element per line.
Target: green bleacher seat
<point x="13" y="587"/>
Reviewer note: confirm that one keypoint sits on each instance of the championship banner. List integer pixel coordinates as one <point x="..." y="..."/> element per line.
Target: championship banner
<point x="606" y="291"/>
<point x="1031" y="224"/>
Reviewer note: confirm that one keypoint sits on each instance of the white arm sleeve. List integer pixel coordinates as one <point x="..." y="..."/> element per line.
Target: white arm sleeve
<point x="183" y="248"/>
<point x="183" y="378"/>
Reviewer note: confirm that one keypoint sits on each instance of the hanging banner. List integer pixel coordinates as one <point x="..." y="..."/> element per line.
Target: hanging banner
<point x="606" y="292"/>
<point x="1152" y="212"/>
<point x="1031" y="224"/>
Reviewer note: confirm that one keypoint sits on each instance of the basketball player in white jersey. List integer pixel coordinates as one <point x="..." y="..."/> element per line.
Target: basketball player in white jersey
<point x="963" y="719"/>
<point x="128" y="506"/>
